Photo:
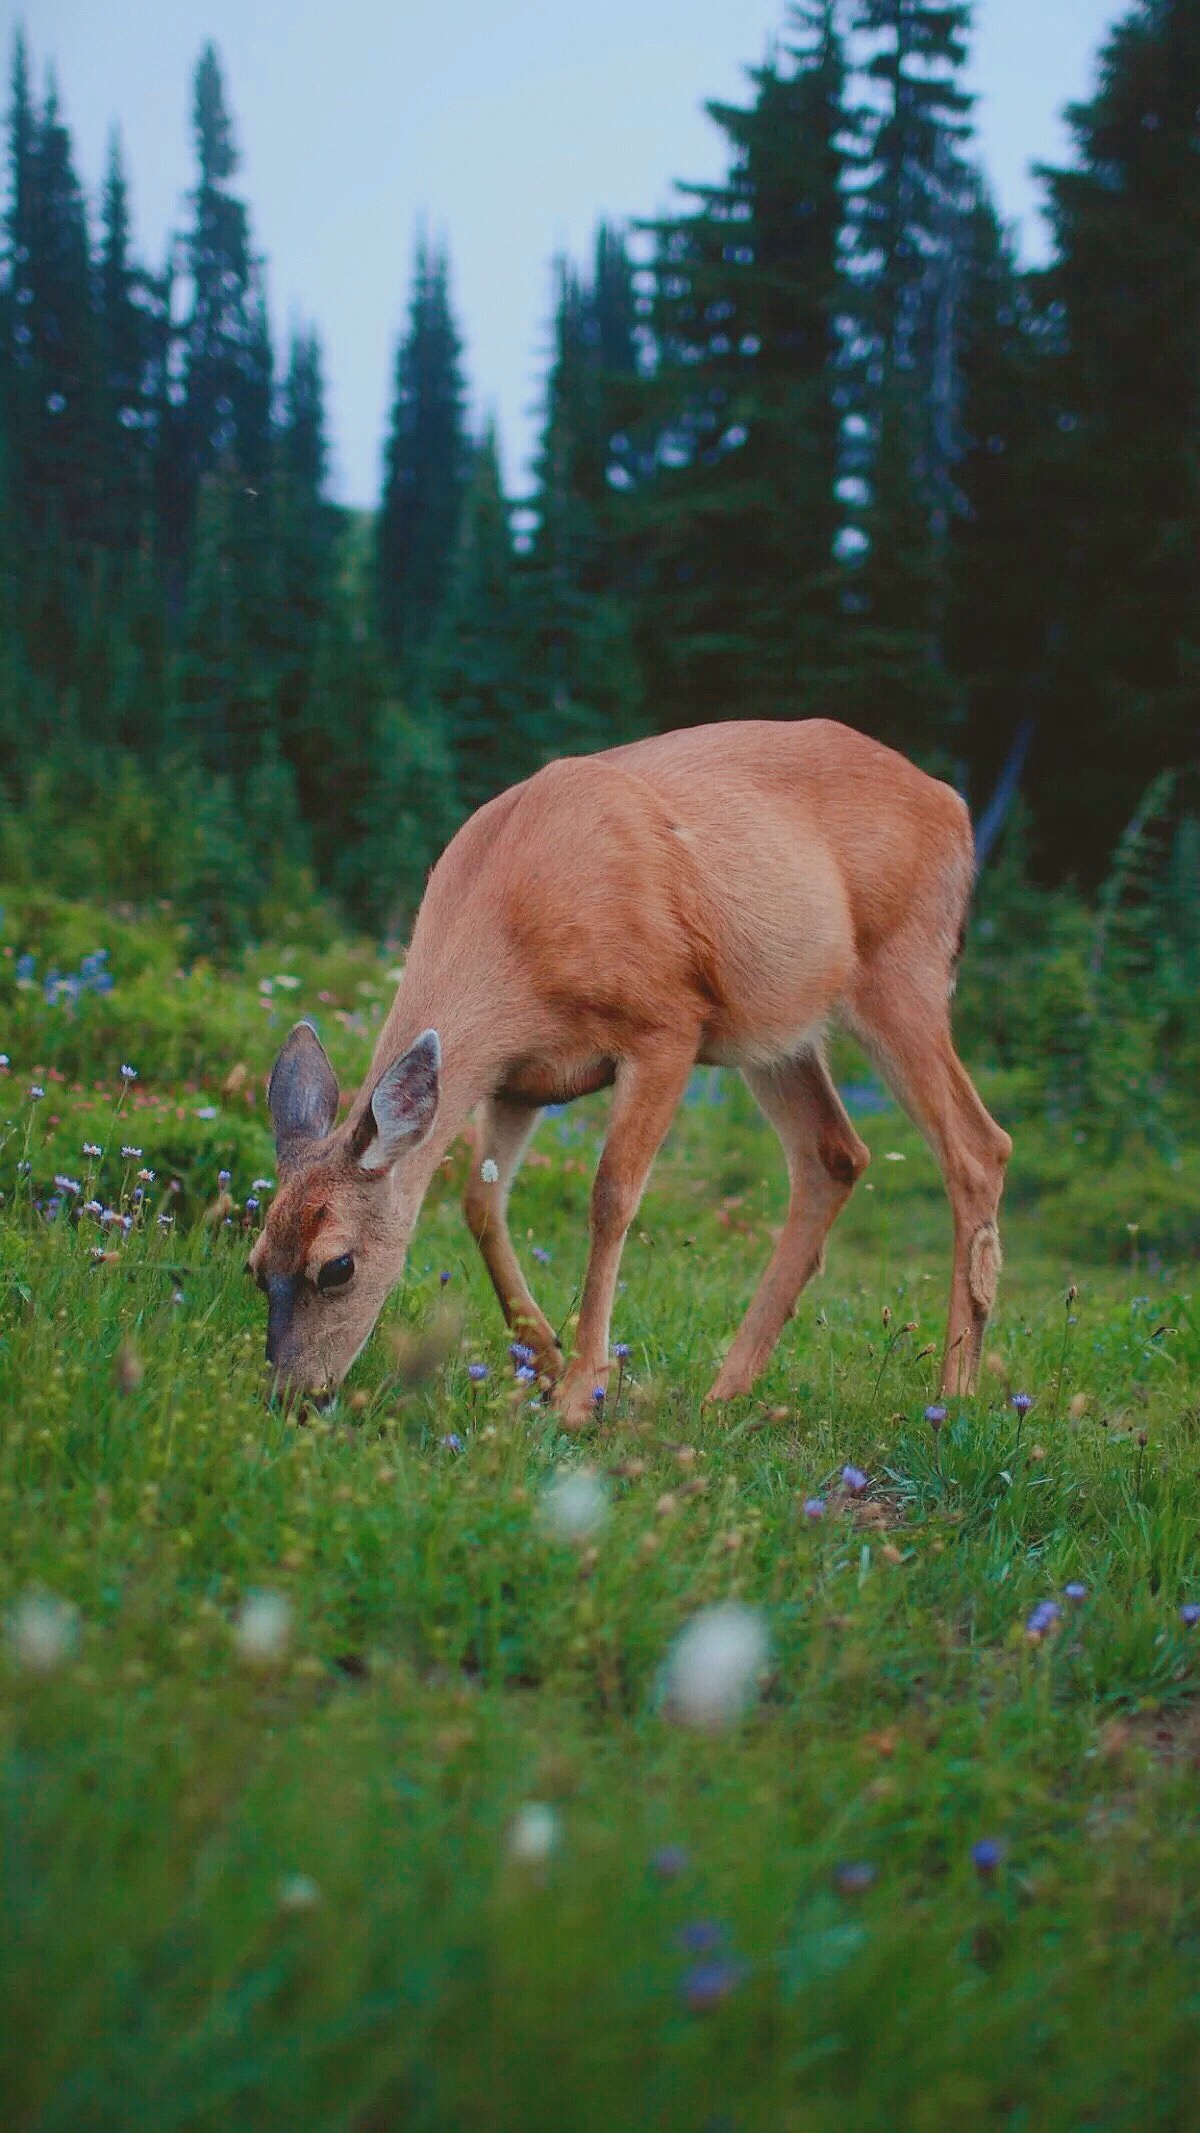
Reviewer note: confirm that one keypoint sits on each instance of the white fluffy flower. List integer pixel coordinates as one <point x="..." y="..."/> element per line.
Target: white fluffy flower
<point x="262" y="1629"/>
<point x="43" y="1632"/>
<point x="713" y="1669"/>
<point x="575" y="1506"/>
<point x="298" y="1892"/>
<point x="534" y="1834"/>
<point x="489" y="1172"/>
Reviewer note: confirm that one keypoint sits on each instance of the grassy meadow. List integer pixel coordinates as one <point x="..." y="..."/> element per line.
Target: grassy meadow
<point x="340" y="1790"/>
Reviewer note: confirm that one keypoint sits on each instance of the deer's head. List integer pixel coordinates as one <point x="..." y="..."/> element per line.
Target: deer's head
<point x="334" y="1242"/>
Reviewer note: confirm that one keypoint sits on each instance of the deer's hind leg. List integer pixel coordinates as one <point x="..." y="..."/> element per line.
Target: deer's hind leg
<point x="900" y="1013"/>
<point x="506" y="1132"/>
<point x="825" y="1158"/>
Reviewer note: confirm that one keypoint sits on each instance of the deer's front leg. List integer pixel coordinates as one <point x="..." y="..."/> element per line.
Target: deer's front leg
<point x="506" y="1129"/>
<point x="645" y="1095"/>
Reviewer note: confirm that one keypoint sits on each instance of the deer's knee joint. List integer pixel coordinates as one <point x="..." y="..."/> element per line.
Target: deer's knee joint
<point x="844" y="1156"/>
<point x="614" y="1204"/>
<point x="481" y="1210"/>
<point x="984" y="1261"/>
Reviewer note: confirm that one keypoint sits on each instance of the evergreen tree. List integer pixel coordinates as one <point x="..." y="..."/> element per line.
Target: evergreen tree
<point x="1127" y="276"/>
<point x="908" y="214"/>
<point x="578" y="580"/>
<point x="739" y="523"/>
<point x="495" y="729"/>
<point x="426" y="465"/>
<point x="133" y="338"/>
<point x="225" y="416"/>
<point x="306" y="538"/>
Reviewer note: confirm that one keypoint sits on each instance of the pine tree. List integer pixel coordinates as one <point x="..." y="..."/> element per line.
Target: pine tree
<point x="1127" y="277"/>
<point x="133" y="330"/>
<point x="426" y="466"/>
<point x="908" y="217"/>
<point x="225" y="418"/>
<point x="306" y="539"/>
<point x="578" y="578"/>
<point x="740" y="519"/>
<point x="478" y="677"/>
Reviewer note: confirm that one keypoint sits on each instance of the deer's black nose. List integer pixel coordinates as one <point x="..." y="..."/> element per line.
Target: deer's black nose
<point x="281" y="1309"/>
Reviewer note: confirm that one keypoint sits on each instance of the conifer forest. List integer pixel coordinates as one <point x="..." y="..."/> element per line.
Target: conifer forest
<point x="433" y="1759"/>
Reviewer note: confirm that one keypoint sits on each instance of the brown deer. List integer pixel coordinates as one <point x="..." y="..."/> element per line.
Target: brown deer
<point x="718" y="895"/>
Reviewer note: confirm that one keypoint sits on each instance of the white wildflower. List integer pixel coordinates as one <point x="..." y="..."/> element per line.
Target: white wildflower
<point x="262" y="1629"/>
<point x="535" y="1833"/>
<point x="712" y="1672"/>
<point x="43" y="1632"/>
<point x="298" y="1892"/>
<point x="575" y="1506"/>
<point x="488" y="1171"/>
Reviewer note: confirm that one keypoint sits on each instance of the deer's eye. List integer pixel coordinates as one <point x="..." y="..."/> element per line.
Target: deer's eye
<point x="336" y="1273"/>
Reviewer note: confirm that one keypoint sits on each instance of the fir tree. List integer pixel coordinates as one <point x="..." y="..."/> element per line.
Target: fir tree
<point x="133" y="330"/>
<point x="477" y="673"/>
<point x="426" y="464"/>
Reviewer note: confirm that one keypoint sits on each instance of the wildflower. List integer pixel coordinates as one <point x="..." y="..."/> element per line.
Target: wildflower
<point x="814" y="1508"/>
<point x="207" y="1111"/>
<point x="599" y="1396"/>
<point x="1022" y="1401"/>
<point x="165" y="1220"/>
<point x="1075" y="1591"/>
<point x="36" y="1093"/>
<point x="1189" y="1614"/>
<point x="251" y="1205"/>
<point x="535" y="1833"/>
<point x="262" y="1185"/>
<point x="443" y="1277"/>
<point x="145" y="1177"/>
<point x="526" y="1375"/>
<point x="707" y="1984"/>
<point x="575" y="1506"/>
<point x="4" y="1062"/>
<point x="986" y="1856"/>
<point x="935" y="1416"/>
<point x="621" y="1351"/>
<point x="92" y="1148"/>
<point x="262" y="1630"/>
<point x="477" y="1372"/>
<point x="131" y="1154"/>
<point x="93" y="1207"/>
<point x="713" y="1669"/>
<point x="1045" y="1618"/>
<point x="854" y="1877"/>
<point x="700" y="1936"/>
<point x="854" y="1479"/>
<point x="298" y="1892"/>
<point x="489" y="1172"/>
<point x="64" y="1184"/>
<point x="43" y="1632"/>
<point x="452" y="1443"/>
<point x="129" y="1073"/>
<point x="520" y="1353"/>
<point x="669" y="1861"/>
<point x="224" y="1180"/>
<point x="541" y="1254"/>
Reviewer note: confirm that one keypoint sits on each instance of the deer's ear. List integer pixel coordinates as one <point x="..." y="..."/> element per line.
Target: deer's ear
<point x="302" y="1094"/>
<point x="403" y="1106"/>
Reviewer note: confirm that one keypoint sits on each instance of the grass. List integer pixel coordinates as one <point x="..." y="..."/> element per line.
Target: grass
<point x="279" y="1895"/>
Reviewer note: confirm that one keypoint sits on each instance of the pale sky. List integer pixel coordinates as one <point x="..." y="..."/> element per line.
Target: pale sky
<point x="509" y="129"/>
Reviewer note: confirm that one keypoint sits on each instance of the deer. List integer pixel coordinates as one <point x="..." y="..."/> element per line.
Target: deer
<point x="722" y="895"/>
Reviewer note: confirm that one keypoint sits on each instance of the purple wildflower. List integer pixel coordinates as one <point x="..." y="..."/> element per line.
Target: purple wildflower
<point x="453" y="1442"/>
<point x="251" y="1205"/>
<point x="36" y="1093"/>
<point x="854" y="1877"/>
<point x="128" y="1073"/>
<point x="1189" y="1614"/>
<point x="621" y="1351"/>
<point x="986" y="1856"/>
<point x="814" y="1508"/>
<point x="541" y="1254"/>
<point x="1022" y="1401"/>
<point x="935" y="1416"/>
<point x="1045" y="1617"/>
<point x="477" y="1372"/>
<point x="65" y="1184"/>
<point x="1075" y="1591"/>
<point x="669" y="1861"/>
<point x="131" y="1154"/>
<point x="599" y="1395"/>
<point x="700" y="1936"/>
<point x="443" y="1277"/>
<point x="526" y="1374"/>
<point x="224" y="1180"/>
<point x="707" y="1984"/>
<point x="92" y="1148"/>
<point x="854" y="1479"/>
<point x="520" y="1353"/>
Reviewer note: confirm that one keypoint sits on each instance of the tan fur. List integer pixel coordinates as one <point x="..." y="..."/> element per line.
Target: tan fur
<point x="717" y="895"/>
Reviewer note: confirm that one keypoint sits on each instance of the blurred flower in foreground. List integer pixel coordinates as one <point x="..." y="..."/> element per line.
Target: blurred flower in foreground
<point x="814" y="1508"/>
<point x="669" y="1861"/>
<point x="535" y="1833"/>
<point x="298" y="1892"/>
<point x="706" y="1984"/>
<point x="43" y="1632"/>
<point x="262" y="1629"/>
<point x="854" y="1479"/>
<point x="1043" y="1621"/>
<point x="713" y="1669"/>
<point x="575" y="1506"/>
<point x="1189" y="1614"/>
<point x="986" y="1856"/>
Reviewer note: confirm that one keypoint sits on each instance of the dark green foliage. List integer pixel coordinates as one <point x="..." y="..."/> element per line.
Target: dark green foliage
<point x="496" y="728"/>
<point x="425" y="467"/>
